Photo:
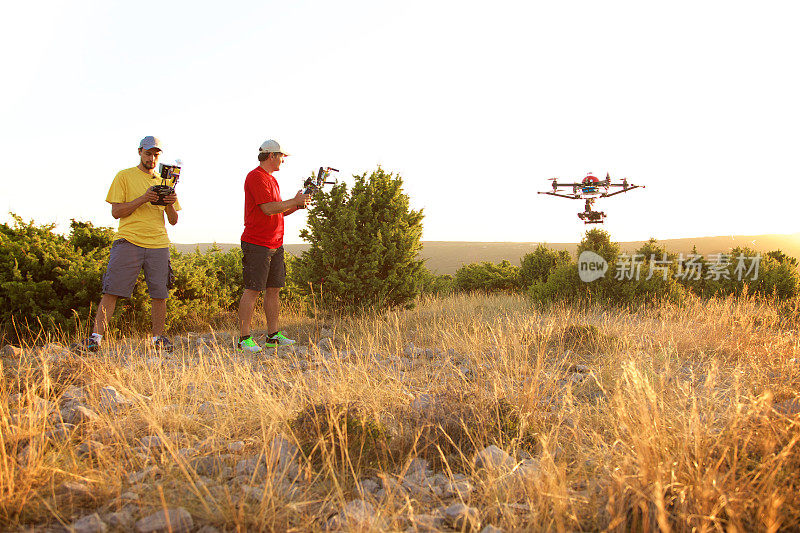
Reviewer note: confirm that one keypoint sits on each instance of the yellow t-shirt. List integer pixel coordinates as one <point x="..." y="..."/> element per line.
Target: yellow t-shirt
<point x="145" y="226"/>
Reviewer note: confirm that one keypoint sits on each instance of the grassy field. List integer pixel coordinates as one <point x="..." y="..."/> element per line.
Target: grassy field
<point x="446" y="257"/>
<point x="466" y="413"/>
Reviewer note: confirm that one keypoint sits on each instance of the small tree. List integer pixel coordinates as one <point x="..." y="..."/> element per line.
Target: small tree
<point x="364" y="246"/>
<point x="539" y="264"/>
<point x="487" y="276"/>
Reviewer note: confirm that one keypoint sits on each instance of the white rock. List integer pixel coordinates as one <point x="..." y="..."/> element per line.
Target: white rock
<point x="367" y="486"/>
<point x="427" y="523"/>
<point x="463" y="517"/>
<point x="90" y="447"/>
<point x="79" y="415"/>
<point x="152" y="441"/>
<point x="418" y="464"/>
<point x="60" y="432"/>
<point x="111" y="399"/>
<point x="284" y="455"/>
<point x="253" y="494"/>
<point x="73" y="489"/>
<point x="250" y="466"/>
<point x="423" y="402"/>
<point x="121" y="520"/>
<point x="356" y="514"/>
<point x="326" y="344"/>
<point x="138" y="477"/>
<point x="12" y="351"/>
<point x="493" y="458"/>
<point x="236" y="447"/>
<point x="176" y="520"/>
<point x="528" y="470"/>
<point x="458" y="489"/>
<point x="89" y="524"/>
<point x="73" y="393"/>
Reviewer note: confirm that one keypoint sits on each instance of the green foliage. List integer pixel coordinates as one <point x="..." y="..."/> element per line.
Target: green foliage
<point x="563" y="285"/>
<point x="539" y="264"/>
<point x="49" y="282"/>
<point x="646" y="276"/>
<point x="364" y="246"/>
<point x="90" y="239"/>
<point x="205" y="285"/>
<point x="487" y="276"/>
<point x="342" y="435"/>
<point x="439" y="284"/>
<point x="599" y="241"/>
<point x="652" y="275"/>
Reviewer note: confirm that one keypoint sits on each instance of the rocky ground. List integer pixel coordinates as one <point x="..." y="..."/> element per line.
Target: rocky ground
<point x="529" y="431"/>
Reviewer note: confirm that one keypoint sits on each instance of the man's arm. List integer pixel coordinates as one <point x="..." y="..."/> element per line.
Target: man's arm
<point x="169" y="209"/>
<point x="287" y="207"/>
<point x="124" y="209"/>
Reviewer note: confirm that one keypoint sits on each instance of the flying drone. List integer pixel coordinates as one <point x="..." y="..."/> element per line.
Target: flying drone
<point x="590" y="189"/>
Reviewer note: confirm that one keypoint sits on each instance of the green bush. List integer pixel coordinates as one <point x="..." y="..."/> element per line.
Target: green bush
<point x="562" y="285"/>
<point x="49" y="282"/>
<point x="487" y="276"/>
<point x="651" y="275"/>
<point x="52" y="283"/>
<point x="539" y="264"/>
<point x="438" y="284"/>
<point x="364" y="246"/>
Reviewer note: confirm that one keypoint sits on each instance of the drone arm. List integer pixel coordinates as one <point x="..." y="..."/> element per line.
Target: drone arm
<point x="629" y="188"/>
<point x="571" y="197"/>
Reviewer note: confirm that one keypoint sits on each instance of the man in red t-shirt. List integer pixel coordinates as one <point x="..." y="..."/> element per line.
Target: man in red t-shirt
<point x="262" y="245"/>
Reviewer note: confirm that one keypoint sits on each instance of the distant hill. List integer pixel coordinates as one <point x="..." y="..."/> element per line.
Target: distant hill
<point x="445" y="257"/>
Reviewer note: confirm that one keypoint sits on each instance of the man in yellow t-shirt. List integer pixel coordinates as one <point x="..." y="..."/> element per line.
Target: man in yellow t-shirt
<point x="141" y="242"/>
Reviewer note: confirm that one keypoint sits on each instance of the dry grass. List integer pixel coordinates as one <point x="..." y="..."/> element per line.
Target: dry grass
<point x="671" y="419"/>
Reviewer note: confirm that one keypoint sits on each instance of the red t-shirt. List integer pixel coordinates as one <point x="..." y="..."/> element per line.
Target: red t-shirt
<point x="260" y="188"/>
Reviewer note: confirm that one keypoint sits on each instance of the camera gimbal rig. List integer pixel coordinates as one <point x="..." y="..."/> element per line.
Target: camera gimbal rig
<point x="168" y="173"/>
<point x="314" y="185"/>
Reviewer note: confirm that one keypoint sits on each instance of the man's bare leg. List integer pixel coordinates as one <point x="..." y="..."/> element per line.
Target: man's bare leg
<point x="247" y="306"/>
<point x="159" y="316"/>
<point x="272" y="306"/>
<point x="105" y="310"/>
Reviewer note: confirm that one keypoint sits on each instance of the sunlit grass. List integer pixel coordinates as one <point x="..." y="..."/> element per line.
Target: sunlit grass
<point x="670" y="418"/>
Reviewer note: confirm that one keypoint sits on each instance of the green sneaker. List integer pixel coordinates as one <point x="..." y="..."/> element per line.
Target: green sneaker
<point x="278" y="339"/>
<point x="248" y="345"/>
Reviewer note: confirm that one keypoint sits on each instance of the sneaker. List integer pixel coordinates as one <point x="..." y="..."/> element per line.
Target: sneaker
<point x="248" y="345"/>
<point x="86" y="345"/>
<point x="164" y="344"/>
<point x="278" y="339"/>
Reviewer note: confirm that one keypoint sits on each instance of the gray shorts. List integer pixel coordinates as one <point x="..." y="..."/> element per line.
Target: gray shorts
<point x="262" y="267"/>
<point x="125" y="263"/>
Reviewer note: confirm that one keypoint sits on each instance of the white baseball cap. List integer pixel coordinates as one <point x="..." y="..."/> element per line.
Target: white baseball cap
<point x="270" y="146"/>
<point x="150" y="142"/>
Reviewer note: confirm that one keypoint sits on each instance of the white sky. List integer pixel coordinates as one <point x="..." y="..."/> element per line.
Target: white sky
<point x="475" y="104"/>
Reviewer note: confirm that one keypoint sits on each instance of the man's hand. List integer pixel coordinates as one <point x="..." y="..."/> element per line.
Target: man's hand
<point x="149" y="196"/>
<point x="302" y="200"/>
<point x="170" y="198"/>
<point x="124" y="209"/>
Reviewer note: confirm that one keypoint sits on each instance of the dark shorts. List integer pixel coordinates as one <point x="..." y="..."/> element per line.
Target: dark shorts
<point x="262" y="267"/>
<point x="125" y="263"/>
